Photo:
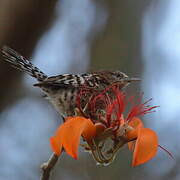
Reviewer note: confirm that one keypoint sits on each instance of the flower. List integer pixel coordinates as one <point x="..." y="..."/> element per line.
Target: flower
<point x="68" y="135"/>
<point x="104" y="129"/>
<point x="145" y="142"/>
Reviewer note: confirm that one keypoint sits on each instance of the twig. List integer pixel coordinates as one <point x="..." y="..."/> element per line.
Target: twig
<point x="48" y="166"/>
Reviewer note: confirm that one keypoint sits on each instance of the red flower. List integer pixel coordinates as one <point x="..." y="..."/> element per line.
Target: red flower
<point x="104" y="122"/>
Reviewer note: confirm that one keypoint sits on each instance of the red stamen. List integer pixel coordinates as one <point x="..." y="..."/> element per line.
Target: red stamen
<point x="111" y="109"/>
<point x="113" y="102"/>
<point x="116" y="108"/>
<point x="140" y="109"/>
<point x="120" y="101"/>
<point x="82" y="93"/>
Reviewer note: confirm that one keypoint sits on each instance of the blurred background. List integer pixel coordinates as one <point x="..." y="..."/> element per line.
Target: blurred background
<point x="140" y="38"/>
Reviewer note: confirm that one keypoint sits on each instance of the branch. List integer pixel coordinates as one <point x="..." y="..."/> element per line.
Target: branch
<point x="48" y="166"/>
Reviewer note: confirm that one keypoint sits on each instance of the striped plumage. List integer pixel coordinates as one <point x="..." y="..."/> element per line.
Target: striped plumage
<point x="62" y="90"/>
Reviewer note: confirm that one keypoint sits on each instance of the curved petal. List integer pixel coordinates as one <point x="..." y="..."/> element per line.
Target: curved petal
<point x="68" y="135"/>
<point x="146" y="146"/>
<point x="136" y="123"/>
<point x="132" y="134"/>
<point x="56" y="145"/>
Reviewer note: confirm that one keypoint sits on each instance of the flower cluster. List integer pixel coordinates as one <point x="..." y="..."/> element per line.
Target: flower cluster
<point x="104" y="128"/>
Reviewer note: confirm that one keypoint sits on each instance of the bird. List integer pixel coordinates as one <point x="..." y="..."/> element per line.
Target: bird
<point x="62" y="90"/>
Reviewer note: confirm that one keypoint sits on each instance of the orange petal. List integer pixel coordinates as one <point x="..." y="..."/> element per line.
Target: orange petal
<point x="146" y="146"/>
<point x="68" y="134"/>
<point x="136" y="123"/>
<point x="56" y="145"/>
<point x="132" y="134"/>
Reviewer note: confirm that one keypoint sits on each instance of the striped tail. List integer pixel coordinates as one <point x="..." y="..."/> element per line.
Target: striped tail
<point x="21" y="63"/>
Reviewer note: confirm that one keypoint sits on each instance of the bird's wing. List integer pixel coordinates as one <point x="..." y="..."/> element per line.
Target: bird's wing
<point x="66" y="80"/>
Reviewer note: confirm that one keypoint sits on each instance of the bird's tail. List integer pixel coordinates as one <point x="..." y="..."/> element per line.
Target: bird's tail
<point x="21" y="63"/>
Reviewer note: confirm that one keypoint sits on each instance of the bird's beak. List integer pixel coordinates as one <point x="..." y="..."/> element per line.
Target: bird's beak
<point x="131" y="79"/>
